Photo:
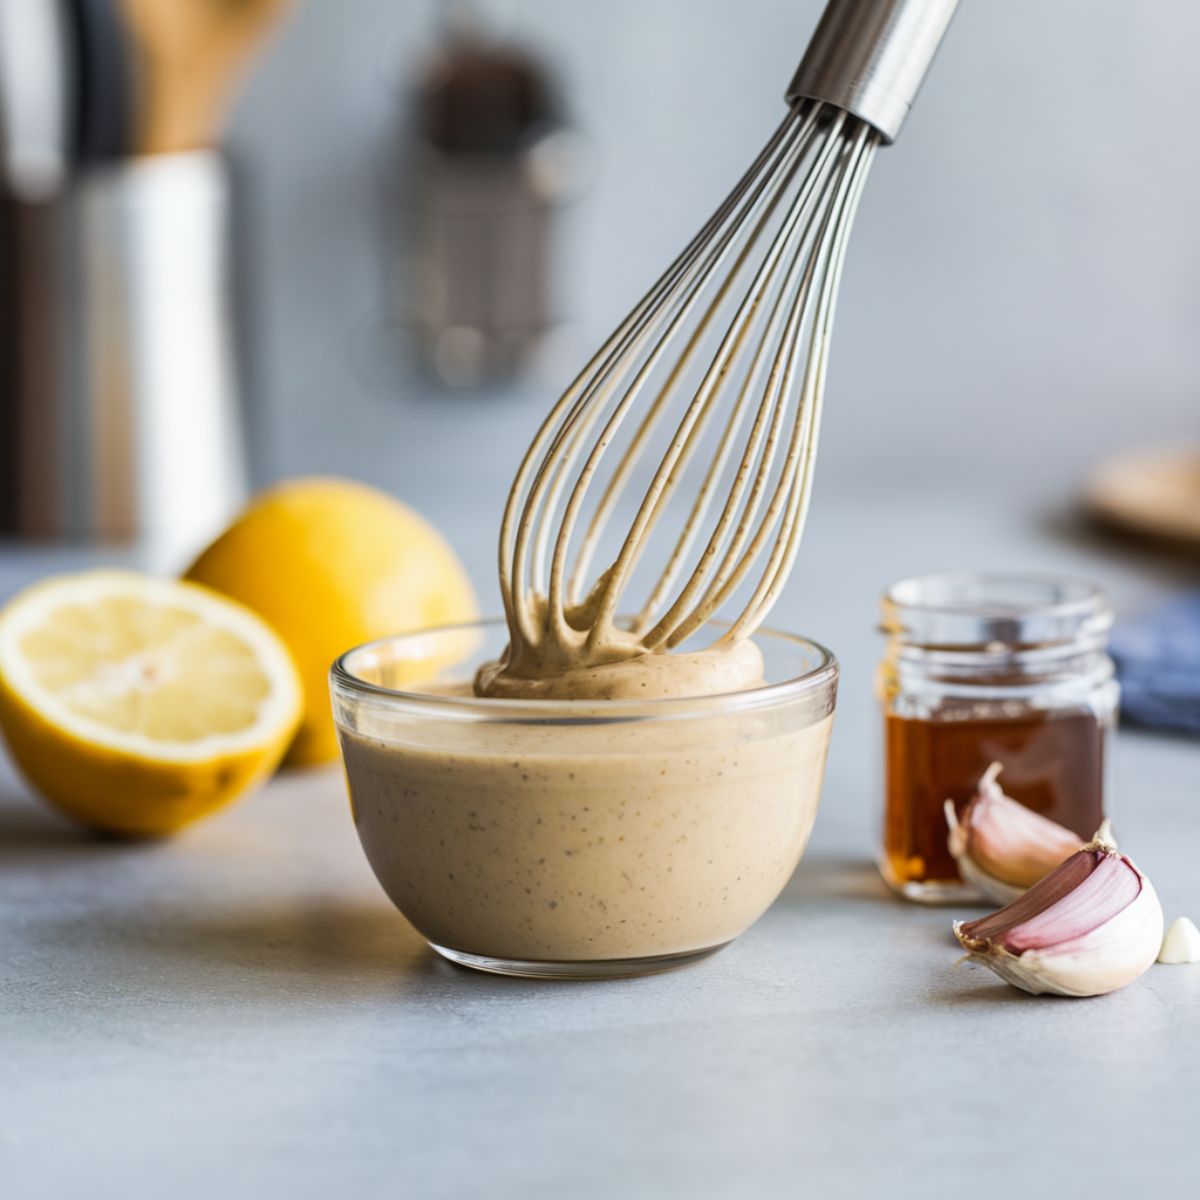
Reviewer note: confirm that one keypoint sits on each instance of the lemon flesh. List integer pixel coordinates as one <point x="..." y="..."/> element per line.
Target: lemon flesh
<point x="138" y="705"/>
<point x="330" y="564"/>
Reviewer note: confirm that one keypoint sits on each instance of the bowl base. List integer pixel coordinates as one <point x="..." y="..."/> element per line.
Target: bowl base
<point x="602" y="968"/>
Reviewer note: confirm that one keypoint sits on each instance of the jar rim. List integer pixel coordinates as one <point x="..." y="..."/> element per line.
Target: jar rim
<point x="1001" y="610"/>
<point x="349" y="683"/>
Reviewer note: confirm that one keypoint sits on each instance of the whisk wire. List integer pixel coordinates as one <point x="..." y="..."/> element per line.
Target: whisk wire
<point x="546" y="448"/>
<point x="733" y="570"/>
<point x="849" y="191"/>
<point x="775" y="399"/>
<point x="785" y="227"/>
<point x="677" y="309"/>
<point x="787" y="164"/>
<point x="696" y="418"/>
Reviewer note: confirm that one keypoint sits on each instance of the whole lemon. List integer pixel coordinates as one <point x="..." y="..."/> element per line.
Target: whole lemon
<point x="329" y="564"/>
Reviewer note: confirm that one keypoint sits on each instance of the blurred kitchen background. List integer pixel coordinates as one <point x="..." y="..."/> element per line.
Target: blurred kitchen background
<point x="1021" y="298"/>
<point x="1023" y="288"/>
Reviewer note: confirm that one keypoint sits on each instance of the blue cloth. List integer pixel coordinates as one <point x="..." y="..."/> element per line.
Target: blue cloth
<point x="1158" y="663"/>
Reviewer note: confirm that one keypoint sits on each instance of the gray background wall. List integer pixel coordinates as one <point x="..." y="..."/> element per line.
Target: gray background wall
<point x="1023" y="290"/>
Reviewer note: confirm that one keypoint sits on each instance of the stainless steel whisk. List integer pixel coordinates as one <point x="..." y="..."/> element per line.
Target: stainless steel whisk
<point x="767" y="263"/>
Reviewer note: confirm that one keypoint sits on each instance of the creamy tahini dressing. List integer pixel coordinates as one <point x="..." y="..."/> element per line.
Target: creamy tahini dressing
<point x="660" y="676"/>
<point x="592" y="841"/>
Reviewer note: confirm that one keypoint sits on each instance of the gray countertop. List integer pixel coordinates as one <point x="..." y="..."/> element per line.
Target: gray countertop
<point x="241" y="1012"/>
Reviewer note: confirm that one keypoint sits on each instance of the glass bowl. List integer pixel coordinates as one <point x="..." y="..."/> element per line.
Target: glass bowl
<point x="567" y="839"/>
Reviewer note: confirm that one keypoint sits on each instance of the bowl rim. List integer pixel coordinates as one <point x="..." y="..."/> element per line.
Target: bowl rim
<point x="345" y="683"/>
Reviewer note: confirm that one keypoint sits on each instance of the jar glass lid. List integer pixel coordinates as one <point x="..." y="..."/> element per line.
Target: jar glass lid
<point x="1000" y="610"/>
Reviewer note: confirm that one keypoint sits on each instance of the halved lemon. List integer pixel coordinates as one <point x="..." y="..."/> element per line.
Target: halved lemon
<point x="138" y="704"/>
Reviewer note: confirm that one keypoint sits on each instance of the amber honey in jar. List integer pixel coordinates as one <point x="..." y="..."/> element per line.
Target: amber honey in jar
<point x="982" y="668"/>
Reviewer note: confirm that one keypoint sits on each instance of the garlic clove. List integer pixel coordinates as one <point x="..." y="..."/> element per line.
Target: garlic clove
<point x="1002" y="847"/>
<point x="1090" y="927"/>
<point x="1182" y="943"/>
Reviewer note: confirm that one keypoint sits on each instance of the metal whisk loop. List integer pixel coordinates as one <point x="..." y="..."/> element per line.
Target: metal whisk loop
<point x="798" y="474"/>
<point x="556" y="442"/>
<point x="791" y="290"/>
<point x="783" y="170"/>
<point x="695" y="417"/>
<point x="678" y="305"/>
<point x="761" y="280"/>
<point x="791" y="308"/>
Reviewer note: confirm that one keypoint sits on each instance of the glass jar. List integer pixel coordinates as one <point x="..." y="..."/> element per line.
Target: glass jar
<point x="982" y="668"/>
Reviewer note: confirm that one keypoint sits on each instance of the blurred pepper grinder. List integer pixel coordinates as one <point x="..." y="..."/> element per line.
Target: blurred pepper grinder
<point x="492" y="158"/>
<point x="146" y="441"/>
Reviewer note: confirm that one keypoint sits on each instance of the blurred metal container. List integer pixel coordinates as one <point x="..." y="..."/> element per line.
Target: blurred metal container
<point x="138" y="433"/>
<point x="492" y="157"/>
<point x="119" y="396"/>
<point x="163" y="443"/>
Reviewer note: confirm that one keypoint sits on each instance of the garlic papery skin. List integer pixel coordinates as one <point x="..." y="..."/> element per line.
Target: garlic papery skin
<point x="1090" y="927"/>
<point x="1001" y="847"/>
<point x="1182" y="943"/>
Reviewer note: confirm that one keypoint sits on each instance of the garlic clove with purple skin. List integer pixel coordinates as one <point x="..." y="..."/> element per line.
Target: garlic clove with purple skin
<point x="1001" y="847"/>
<point x="1090" y="927"/>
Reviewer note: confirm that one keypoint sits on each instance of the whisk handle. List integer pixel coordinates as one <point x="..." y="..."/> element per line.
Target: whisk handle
<point x="869" y="57"/>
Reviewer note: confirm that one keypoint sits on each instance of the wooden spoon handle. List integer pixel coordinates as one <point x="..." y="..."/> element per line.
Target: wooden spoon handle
<point x="191" y="55"/>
